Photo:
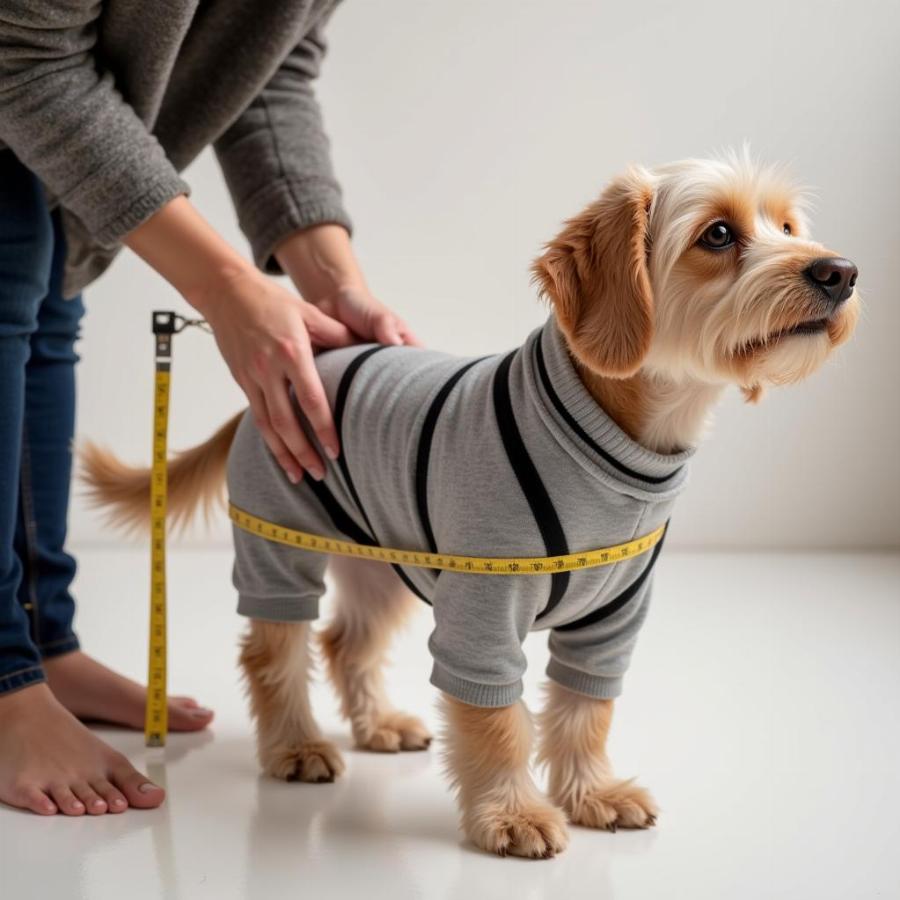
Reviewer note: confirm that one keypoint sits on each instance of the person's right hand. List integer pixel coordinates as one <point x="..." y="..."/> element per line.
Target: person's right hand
<point x="266" y="335"/>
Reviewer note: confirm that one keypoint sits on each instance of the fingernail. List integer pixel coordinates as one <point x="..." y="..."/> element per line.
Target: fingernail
<point x="147" y="787"/>
<point x="293" y="477"/>
<point x="316" y="472"/>
<point x="331" y="451"/>
<point x="201" y="713"/>
<point x="397" y="339"/>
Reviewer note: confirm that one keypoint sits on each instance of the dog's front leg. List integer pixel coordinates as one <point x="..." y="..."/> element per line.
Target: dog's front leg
<point x="488" y="754"/>
<point x="573" y="735"/>
<point x="275" y="657"/>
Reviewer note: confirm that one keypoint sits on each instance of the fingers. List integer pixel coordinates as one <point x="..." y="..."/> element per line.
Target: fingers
<point x="283" y="421"/>
<point x="388" y="329"/>
<point x="139" y="792"/>
<point x="273" y="441"/>
<point x="409" y="338"/>
<point x="114" y="798"/>
<point x="385" y="329"/>
<point x="324" y="331"/>
<point x="312" y="400"/>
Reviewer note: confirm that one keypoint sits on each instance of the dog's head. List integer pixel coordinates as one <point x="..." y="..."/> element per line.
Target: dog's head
<point x="704" y="270"/>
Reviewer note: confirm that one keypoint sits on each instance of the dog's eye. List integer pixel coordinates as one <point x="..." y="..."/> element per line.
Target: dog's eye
<point x="717" y="237"/>
<point x="787" y="229"/>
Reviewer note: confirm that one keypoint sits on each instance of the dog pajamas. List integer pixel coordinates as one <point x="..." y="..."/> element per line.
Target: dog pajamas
<point x="503" y="456"/>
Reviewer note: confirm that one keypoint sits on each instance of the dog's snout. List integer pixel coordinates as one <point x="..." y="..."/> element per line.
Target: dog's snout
<point x="834" y="275"/>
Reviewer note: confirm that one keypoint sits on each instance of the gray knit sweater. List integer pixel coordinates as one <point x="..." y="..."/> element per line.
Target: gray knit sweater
<point x="106" y="101"/>
<point x="504" y="456"/>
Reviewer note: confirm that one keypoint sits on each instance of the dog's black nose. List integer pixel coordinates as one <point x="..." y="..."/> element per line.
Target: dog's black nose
<point x="834" y="275"/>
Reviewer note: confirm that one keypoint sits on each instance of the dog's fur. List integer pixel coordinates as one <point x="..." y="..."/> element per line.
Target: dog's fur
<point x="658" y="325"/>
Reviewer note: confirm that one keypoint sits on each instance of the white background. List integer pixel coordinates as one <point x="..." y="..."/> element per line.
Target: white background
<point x="464" y="132"/>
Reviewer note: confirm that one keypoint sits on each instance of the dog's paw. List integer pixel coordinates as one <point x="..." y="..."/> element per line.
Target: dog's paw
<point x="392" y="732"/>
<point x="535" y="831"/>
<point x="619" y="804"/>
<point x="311" y="761"/>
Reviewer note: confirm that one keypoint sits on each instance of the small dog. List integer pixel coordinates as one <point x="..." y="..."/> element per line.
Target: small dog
<point x="675" y="283"/>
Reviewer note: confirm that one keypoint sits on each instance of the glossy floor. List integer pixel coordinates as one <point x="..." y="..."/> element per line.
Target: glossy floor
<point x="761" y="708"/>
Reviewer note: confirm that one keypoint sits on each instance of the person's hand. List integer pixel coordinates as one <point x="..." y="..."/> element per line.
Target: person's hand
<point x="322" y="265"/>
<point x="266" y="335"/>
<point x="368" y="318"/>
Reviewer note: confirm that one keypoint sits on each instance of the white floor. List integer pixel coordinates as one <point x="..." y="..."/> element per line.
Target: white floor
<point x="761" y="708"/>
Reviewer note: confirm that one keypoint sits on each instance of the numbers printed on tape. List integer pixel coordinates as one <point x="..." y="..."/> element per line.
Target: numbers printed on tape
<point x="156" y="721"/>
<point x="481" y="565"/>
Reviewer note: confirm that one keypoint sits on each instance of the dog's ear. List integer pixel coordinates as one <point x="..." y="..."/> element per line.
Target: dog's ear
<point x="595" y="274"/>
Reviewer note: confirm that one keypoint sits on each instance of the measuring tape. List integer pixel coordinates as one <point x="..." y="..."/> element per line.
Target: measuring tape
<point x="156" y="713"/>
<point x="480" y="565"/>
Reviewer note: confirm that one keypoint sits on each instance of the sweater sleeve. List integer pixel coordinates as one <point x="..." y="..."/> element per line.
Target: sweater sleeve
<point x="63" y="117"/>
<point x="276" y="159"/>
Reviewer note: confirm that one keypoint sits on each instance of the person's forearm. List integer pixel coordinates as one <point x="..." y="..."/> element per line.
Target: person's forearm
<point x="320" y="262"/>
<point x="187" y="251"/>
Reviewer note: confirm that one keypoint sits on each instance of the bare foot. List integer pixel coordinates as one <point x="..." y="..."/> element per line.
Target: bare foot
<point x="92" y="692"/>
<point x="49" y="762"/>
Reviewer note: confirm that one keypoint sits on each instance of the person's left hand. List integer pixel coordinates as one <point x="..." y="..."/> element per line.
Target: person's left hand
<point x="368" y="318"/>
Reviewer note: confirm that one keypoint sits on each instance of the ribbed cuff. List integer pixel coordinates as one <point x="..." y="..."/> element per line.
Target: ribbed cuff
<point x="286" y="206"/>
<point x="474" y="693"/>
<point x="279" y="609"/>
<point x="166" y="185"/>
<point x="597" y="686"/>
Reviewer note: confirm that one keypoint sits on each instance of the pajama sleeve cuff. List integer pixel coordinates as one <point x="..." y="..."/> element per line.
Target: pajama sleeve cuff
<point x="474" y="693"/>
<point x="600" y="687"/>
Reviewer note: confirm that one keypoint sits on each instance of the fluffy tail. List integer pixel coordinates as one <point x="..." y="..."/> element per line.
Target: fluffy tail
<point x="196" y="479"/>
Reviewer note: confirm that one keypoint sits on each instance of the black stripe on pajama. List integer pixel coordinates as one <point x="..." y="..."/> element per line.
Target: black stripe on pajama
<point x="340" y="405"/>
<point x="539" y="501"/>
<point x="424" y="452"/>
<point x="611" y="608"/>
<point x="570" y="420"/>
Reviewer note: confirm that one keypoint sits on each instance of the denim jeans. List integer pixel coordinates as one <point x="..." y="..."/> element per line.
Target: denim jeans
<point x="38" y="330"/>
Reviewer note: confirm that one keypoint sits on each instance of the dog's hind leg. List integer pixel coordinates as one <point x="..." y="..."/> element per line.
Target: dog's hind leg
<point x="371" y="604"/>
<point x="276" y="660"/>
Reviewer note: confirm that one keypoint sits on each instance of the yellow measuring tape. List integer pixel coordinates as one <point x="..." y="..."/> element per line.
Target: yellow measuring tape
<point x="481" y="565"/>
<point x="156" y="714"/>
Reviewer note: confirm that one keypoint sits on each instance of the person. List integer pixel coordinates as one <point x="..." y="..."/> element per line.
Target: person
<point x="101" y="106"/>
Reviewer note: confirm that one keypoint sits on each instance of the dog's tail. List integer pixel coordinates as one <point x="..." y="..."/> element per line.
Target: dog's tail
<point x="196" y="479"/>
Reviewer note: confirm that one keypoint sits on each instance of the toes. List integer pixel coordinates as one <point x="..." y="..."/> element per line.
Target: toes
<point x="537" y="833"/>
<point x="616" y="805"/>
<point x="314" y="762"/>
<point x="185" y="714"/>
<point x="94" y="804"/>
<point x="115" y="799"/>
<point x="37" y="801"/>
<point x="393" y="732"/>
<point x="66" y="800"/>
<point x="138" y="791"/>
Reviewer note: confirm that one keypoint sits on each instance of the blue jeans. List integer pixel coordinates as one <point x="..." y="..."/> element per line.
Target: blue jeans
<point x="38" y="330"/>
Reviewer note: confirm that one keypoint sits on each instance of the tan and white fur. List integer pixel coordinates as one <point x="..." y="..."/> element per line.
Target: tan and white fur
<point x="658" y="323"/>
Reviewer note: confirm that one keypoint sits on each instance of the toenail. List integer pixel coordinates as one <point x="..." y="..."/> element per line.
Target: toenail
<point x="118" y="803"/>
<point x="97" y="804"/>
<point x="146" y="787"/>
<point x="77" y="804"/>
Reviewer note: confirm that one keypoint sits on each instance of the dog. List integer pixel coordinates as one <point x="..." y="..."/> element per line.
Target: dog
<point x="675" y="283"/>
